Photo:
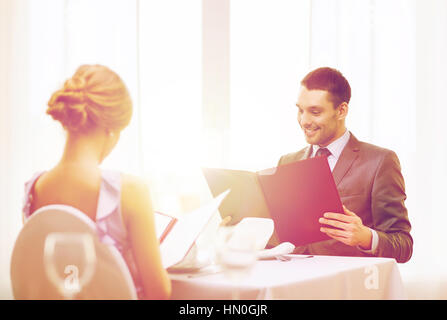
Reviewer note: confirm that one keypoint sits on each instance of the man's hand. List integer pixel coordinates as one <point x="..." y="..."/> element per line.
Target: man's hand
<point x="225" y="221"/>
<point x="352" y="233"/>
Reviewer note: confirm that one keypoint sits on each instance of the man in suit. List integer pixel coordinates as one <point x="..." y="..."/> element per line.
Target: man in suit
<point x="368" y="178"/>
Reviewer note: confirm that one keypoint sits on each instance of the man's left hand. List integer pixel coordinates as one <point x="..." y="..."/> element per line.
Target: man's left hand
<point x="351" y="229"/>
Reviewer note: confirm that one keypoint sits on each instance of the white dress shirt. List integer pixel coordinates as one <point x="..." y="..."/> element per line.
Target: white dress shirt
<point x="336" y="147"/>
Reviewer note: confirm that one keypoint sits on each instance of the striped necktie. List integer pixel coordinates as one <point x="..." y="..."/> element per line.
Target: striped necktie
<point x="323" y="152"/>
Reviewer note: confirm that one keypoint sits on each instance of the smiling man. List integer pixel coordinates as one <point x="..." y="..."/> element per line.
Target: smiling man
<point x="368" y="178"/>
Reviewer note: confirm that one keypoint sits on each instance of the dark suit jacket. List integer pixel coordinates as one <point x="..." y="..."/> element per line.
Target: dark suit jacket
<point x="370" y="183"/>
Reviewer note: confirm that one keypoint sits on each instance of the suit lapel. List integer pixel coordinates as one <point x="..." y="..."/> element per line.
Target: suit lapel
<point x="347" y="157"/>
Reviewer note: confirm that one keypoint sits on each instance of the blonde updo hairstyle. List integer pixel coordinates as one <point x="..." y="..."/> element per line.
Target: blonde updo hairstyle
<point x="94" y="97"/>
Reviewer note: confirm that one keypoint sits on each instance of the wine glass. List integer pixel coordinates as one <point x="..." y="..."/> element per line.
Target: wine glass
<point x="236" y="259"/>
<point x="65" y="254"/>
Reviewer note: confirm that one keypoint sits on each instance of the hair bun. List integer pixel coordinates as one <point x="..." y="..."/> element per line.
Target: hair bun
<point x="69" y="108"/>
<point x="94" y="96"/>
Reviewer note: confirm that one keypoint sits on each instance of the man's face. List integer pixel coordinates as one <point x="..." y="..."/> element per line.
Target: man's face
<point x="318" y="119"/>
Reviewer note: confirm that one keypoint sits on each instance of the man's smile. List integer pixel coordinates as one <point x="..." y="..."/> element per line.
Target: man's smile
<point x="311" y="132"/>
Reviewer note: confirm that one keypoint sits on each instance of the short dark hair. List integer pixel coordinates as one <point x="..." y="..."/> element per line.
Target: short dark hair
<point x="330" y="80"/>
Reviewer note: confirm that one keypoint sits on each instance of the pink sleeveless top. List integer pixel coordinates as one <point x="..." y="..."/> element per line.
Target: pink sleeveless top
<point x="109" y="223"/>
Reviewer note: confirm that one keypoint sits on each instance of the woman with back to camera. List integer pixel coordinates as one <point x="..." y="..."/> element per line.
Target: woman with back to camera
<point x="93" y="107"/>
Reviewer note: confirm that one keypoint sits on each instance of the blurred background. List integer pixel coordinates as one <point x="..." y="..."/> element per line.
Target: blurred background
<point x="214" y="83"/>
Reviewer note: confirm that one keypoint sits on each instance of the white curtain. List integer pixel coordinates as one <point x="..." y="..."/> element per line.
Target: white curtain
<point x="14" y="128"/>
<point x="392" y="52"/>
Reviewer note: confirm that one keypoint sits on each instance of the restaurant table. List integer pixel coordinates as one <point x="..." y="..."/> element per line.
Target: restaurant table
<point x="302" y="277"/>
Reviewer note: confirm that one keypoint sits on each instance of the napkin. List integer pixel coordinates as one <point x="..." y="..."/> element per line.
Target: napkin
<point x="280" y="249"/>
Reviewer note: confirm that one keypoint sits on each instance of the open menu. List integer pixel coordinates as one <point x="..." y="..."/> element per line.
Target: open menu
<point x="294" y="196"/>
<point x="177" y="235"/>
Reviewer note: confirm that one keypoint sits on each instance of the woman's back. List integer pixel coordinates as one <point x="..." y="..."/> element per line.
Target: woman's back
<point x="115" y="204"/>
<point x="74" y="185"/>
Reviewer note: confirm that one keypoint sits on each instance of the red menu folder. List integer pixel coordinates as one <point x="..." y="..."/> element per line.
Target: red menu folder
<point x="163" y="225"/>
<point x="297" y="195"/>
<point x="294" y="196"/>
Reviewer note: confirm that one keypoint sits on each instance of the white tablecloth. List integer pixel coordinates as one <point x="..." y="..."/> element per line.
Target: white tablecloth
<point x="319" y="277"/>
